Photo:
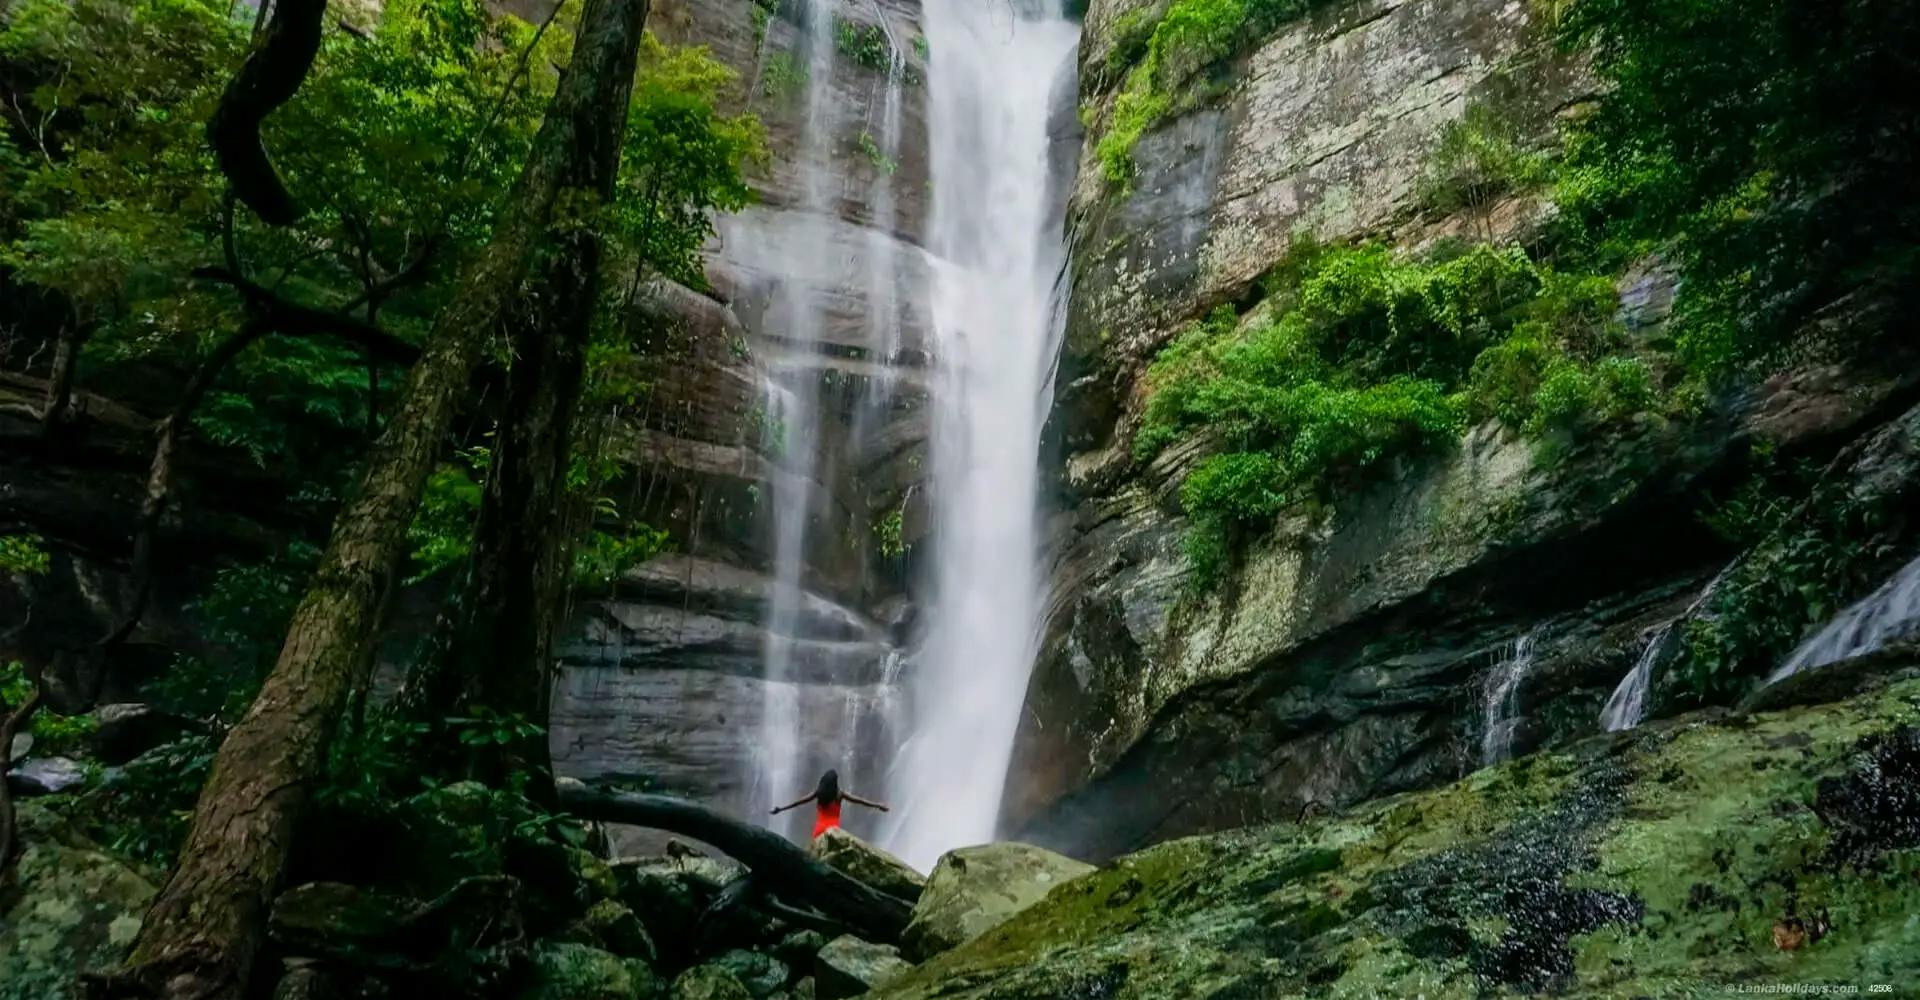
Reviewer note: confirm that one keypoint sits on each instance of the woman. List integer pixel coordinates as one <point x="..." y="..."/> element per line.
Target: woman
<point x="827" y="797"/>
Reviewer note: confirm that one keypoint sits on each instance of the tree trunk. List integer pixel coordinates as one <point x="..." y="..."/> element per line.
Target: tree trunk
<point x="66" y="360"/>
<point x="200" y="937"/>
<point x="779" y="866"/>
<point x="522" y="540"/>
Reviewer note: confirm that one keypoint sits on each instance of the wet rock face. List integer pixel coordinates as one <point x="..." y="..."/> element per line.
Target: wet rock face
<point x="1633" y="866"/>
<point x="819" y="284"/>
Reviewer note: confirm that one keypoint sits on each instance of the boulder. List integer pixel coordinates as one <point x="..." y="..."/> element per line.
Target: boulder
<point x="974" y="889"/>
<point x="71" y="907"/>
<point x="798" y="948"/>
<point x="709" y="982"/>
<point x="761" y="974"/>
<point x="125" y="730"/>
<point x="848" y="853"/>
<point x="848" y="967"/>
<point x="570" y="971"/>
<point x="46" y="775"/>
<point x="609" y="924"/>
<point x="666" y="900"/>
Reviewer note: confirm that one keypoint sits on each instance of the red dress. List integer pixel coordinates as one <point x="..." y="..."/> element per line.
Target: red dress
<point x="826" y="816"/>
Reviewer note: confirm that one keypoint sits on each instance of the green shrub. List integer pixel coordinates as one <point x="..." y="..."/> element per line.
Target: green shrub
<point x="863" y="44"/>
<point x="1480" y="157"/>
<point x="1507" y="376"/>
<point x="1163" y="58"/>
<point x="1360" y="356"/>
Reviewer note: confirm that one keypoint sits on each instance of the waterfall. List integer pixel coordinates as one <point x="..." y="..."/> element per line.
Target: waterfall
<point x="1500" y="699"/>
<point x="1628" y="703"/>
<point x="790" y="421"/>
<point x="997" y="238"/>
<point x="1890" y="612"/>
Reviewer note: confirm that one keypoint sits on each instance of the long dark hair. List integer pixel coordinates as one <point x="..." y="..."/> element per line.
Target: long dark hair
<point x="827" y="792"/>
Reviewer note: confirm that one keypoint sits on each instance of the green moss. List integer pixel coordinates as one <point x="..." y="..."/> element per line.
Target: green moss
<point x="1164" y="56"/>
<point x="1641" y="866"/>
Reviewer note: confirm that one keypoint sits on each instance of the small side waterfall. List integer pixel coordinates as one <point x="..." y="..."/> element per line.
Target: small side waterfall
<point x="997" y="234"/>
<point x="1500" y="699"/>
<point x="1628" y="703"/>
<point x="1889" y="613"/>
<point x="1627" y="706"/>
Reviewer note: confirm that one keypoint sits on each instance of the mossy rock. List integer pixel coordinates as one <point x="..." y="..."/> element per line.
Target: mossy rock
<point x="72" y="907"/>
<point x="847" y="853"/>
<point x="973" y="889"/>
<point x="709" y="982"/>
<point x="608" y="924"/>
<point x="762" y="974"/>
<point x="1781" y="847"/>
<point x="850" y="967"/>
<point x="569" y="971"/>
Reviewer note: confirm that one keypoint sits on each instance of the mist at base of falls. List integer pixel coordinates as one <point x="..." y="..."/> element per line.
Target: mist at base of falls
<point x="997" y="237"/>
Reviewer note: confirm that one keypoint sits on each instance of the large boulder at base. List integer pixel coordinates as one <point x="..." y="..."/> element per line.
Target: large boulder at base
<point x="709" y="982"/>
<point x="125" y="730"/>
<point x="761" y="974"/>
<point x="609" y="924"/>
<point x="72" y="907"/>
<point x="849" y="967"/>
<point x="571" y="971"/>
<point x="974" y="889"/>
<point x="848" y="853"/>
<point x="1668" y="861"/>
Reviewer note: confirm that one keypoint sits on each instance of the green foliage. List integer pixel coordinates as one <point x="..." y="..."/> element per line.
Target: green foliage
<point x="1758" y="145"/>
<point x="875" y="155"/>
<point x="887" y="531"/>
<point x="683" y="160"/>
<point x="23" y="555"/>
<point x="442" y="530"/>
<point x="486" y="727"/>
<point x="243" y="615"/>
<point x="1165" y="59"/>
<point x="782" y="76"/>
<point x="1360" y="356"/>
<point x="143" y="810"/>
<point x="1808" y="548"/>
<point x="863" y="44"/>
<point x="605" y="555"/>
<point x="1481" y="156"/>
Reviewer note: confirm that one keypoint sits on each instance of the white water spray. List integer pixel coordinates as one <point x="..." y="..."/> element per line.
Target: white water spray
<point x="1500" y="699"/>
<point x="1890" y="612"/>
<point x="1627" y="705"/>
<point x="997" y="239"/>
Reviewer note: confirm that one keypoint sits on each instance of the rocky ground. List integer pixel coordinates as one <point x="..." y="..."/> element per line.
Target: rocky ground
<point x="1776" y="844"/>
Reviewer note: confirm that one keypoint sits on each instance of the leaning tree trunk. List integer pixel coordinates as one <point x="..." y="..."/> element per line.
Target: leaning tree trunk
<point x="200" y="937"/>
<point x="518" y="572"/>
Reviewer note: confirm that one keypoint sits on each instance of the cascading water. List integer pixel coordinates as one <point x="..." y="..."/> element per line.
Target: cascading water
<point x="1628" y="703"/>
<point x="1500" y="699"/>
<point x="1889" y="613"/>
<point x="997" y="238"/>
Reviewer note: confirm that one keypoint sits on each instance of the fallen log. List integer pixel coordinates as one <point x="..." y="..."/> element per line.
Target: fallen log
<point x="779" y="866"/>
